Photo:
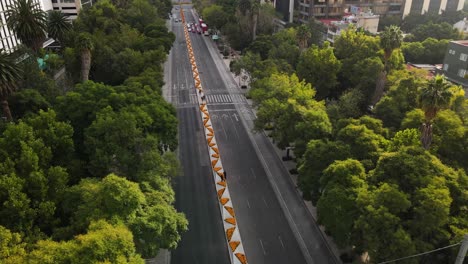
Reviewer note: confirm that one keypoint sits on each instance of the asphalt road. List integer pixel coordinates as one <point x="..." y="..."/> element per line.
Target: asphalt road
<point x="205" y="242"/>
<point x="264" y="229"/>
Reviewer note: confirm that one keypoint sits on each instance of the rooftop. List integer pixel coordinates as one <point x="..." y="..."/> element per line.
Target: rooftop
<point x="461" y="42"/>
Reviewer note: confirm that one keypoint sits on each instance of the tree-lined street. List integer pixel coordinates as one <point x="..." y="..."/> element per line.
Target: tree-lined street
<point x="265" y="229"/>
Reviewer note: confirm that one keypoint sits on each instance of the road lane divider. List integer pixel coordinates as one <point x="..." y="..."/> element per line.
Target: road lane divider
<point x="231" y="228"/>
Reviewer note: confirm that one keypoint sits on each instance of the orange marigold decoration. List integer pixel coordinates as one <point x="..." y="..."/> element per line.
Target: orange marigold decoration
<point x="230" y="210"/>
<point x="209" y="140"/>
<point x="224" y="200"/>
<point x="234" y="245"/>
<point x="231" y="220"/>
<point x="220" y="192"/>
<point x="241" y="257"/>
<point x="229" y="232"/>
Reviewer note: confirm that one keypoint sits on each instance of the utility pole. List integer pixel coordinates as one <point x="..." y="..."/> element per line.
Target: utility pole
<point x="462" y="251"/>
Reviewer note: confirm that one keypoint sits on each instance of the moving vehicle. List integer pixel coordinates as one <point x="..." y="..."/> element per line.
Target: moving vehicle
<point x="203" y="26"/>
<point x="204" y="29"/>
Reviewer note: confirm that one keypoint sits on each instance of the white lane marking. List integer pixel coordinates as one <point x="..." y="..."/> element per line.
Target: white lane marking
<point x="209" y="98"/>
<point x="261" y="243"/>
<point x="235" y="116"/>
<point x="263" y="198"/>
<point x="281" y="241"/>
<point x="237" y="133"/>
<point x="224" y="130"/>
<point x="248" y="204"/>
<point x="253" y="173"/>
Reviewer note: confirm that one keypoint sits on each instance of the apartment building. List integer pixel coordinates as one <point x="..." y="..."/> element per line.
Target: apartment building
<point x="70" y="7"/>
<point x="455" y="66"/>
<point x="336" y="8"/>
<point x="8" y="40"/>
<point x="432" y="6"/>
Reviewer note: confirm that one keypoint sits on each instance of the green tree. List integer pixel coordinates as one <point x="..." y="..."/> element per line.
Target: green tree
<point x="449" y="138"/>
<point x="356" y="50"/>
<point x="84" y="44"/>
<point x="348" y="105"/>
<point x="318" y="156"/>
<point x="405" y="138"/>
<point x="288" y="104"/>
<point x="58" y="26"/>
<point x="320" y="67"/>
<point x="303" y="36"/>
<point x="337" y="209"/>
<point x="103" y="243"/>
<point x="215" y="16"/>
<point x="10" y="73"/>
<point x="428" y="51"/>
<point x="400" y="98"/>
<point x="33" y="185"/>
<point x="364" y="143"/>
<point x="435" y="96"/>
<point x="11" y="247"/>
<point x="146" y="211"/>
<point x="139" y="14"/>
<point x="29" y="22"/>
<point x="435" y="30"/>
<point x="409" y="184"/>
<point x="261" y="46"/>
<point x="390" y="39"/>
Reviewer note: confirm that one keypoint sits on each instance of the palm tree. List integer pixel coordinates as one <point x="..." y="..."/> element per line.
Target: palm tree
<point x="433" y="97"/>
<point x="58" y="25"/>
<point x="28" y="21"/>
<point x="303" y="36"/>
<point x="10" y="73"/>
<point x="84" y="43"/>
<point x="255" y="13"/>
<point x="251" y="8"/>
<point x="390" y="39"/>
<point x="244" y="6"/>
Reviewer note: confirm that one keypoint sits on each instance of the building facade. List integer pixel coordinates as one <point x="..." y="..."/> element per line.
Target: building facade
<point x="70" y="7"/>
<point x="455" y="65"/>
<point x="432" y="6"/>
<point x="8" y="40"/>
<point x="324" y="9"/>
<point x="365" y="20"/>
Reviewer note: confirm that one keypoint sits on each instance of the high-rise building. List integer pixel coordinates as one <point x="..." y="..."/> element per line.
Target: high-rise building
<point x="70" y="7"/>
<point x="432" y="6"/>
<point x="8" y="40"/>
<point x="320" y="9"/>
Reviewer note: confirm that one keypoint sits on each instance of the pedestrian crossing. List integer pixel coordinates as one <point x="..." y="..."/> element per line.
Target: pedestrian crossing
<point x="210" y="99"/>
<point x="226" y="99"/>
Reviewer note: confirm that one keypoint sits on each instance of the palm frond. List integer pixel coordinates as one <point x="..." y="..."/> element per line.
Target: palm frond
<point x="10" y="74"/>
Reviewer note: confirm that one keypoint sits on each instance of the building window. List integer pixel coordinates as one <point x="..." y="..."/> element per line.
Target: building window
<point x="446" y="67"/>
<point x="463" y="57"/>
<point x="462" y="73"/>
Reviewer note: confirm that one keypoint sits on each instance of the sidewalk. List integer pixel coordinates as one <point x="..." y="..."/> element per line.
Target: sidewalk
<point x="301" y="215"/>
